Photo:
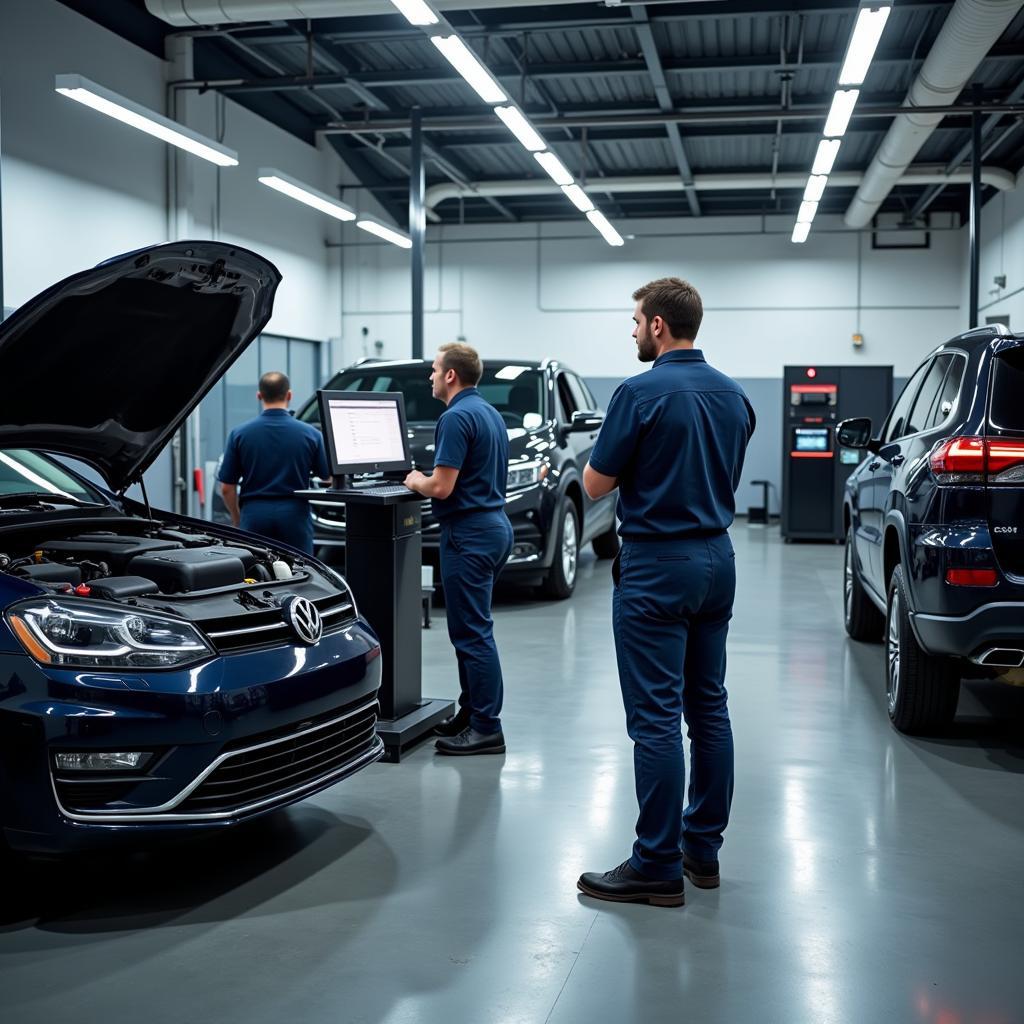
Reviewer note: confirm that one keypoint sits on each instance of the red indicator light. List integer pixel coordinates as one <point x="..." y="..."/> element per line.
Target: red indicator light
<point x="811" y="372"/>
<point x="83" y="590"/>
<point x="971" y="577"/>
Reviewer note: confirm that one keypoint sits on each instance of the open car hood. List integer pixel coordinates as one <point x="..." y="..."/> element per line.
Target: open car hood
<point x="107" y="364"/>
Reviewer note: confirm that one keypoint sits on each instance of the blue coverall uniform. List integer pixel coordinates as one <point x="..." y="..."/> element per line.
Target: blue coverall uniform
<point x="273" y="456"/>
<point x="675" y="438"/>
<point x="476" y="540"/>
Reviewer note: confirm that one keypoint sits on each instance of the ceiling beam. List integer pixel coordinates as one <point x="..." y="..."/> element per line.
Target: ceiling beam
<point x="649" y="48"/>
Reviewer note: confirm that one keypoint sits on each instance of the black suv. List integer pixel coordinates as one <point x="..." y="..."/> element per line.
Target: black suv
<point x="935" y="527"/>
<point x="552" y="420"/>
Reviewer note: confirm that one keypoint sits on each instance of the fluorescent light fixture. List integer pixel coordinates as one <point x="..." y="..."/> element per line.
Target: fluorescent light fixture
<point x="381" y="230"/>
<point x="516" y="122"/>
<point x="807" y="212"/>
<point x="867" y="30"/>
<point x="839" y="114"/>
<point x="459" y="55"/>
<point x="800" y="232"/>
<point x="281" y="182"/>
<point x="416" y="12"/>
<point x="815" y="187"/>
<point x="579" y="198"/>
<point x="611" y="236"/>
<point x="128" y="112"/>
<point x="826" y="156"/>
<point x="554" y="167"/>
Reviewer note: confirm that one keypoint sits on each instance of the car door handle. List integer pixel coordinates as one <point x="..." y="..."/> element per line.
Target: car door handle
<point x="898" y="460"/>
<point x="874" y="465"/>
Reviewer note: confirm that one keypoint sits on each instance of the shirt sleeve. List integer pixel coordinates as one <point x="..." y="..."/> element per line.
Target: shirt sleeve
<point x="454" y="434"/>
<point x="321" y="467"/>
<point x="620" y="432"/>
<point x="230" y="470"/>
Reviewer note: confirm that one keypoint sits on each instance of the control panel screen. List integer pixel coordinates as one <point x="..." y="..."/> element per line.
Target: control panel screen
<point x="807" y="439"/>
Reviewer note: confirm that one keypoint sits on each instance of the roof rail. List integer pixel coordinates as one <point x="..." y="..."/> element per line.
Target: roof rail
<point x="999" y="330"/>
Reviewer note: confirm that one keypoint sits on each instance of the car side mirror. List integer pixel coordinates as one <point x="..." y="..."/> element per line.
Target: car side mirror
<point x="585" y="422"/>
<point x="856" y="433"/>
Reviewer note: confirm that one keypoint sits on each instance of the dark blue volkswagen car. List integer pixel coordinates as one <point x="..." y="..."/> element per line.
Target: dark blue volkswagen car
<point x="157" y="673"/>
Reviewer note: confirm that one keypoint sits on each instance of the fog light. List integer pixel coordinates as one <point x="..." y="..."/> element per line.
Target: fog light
<point x="101" y="761"/>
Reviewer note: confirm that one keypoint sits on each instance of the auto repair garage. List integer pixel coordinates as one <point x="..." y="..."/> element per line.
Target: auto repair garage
<point x="511" y="511"/>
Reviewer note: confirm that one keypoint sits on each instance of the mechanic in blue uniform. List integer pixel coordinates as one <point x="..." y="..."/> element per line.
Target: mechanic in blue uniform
<point x="467" y="488"/>
<point x="673" y="442"/>
<point x="273" y="456"/>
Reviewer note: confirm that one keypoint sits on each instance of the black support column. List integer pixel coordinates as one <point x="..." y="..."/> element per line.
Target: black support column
<point x="417" y="230"/>
<point x="975" y="220"/>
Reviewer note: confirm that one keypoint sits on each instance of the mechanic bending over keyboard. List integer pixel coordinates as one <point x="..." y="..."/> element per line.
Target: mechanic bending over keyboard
<point x="467" y="488"/>
<point x="272" y="456"/>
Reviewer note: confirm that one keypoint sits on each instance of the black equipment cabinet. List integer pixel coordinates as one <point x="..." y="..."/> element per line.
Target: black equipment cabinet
<point x="814" y="467"/>
<point x="382" y="566"/>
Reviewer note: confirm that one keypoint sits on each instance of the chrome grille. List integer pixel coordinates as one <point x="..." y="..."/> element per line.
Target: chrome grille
<point x="266" y="628"/>
<point x="260" y="771"/>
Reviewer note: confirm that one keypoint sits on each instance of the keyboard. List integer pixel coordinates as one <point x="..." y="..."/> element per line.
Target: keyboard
<point x="384" y="491"/>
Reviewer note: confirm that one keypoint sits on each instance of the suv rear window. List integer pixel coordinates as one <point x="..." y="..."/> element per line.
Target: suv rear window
<point x="1007" y="411"/>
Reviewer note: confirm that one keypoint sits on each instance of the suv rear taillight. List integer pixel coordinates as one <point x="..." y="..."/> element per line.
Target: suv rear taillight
<point x="976" y="460"/>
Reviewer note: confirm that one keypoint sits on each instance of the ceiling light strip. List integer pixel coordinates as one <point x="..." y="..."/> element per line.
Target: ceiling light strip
<point x="135" y="115"/>
<point x="294" y="189"/>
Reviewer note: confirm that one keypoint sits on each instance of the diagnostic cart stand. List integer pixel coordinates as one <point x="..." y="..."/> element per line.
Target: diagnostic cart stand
<point x="366" y="433"/>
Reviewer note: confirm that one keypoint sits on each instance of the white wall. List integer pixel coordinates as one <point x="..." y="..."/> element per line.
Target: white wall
<point x="558" y="290"/>
<point x="1002" y="252"/>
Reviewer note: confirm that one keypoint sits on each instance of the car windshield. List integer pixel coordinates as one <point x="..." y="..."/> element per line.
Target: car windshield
<point x="515" y="391"/>
<point x="27" y="472"/>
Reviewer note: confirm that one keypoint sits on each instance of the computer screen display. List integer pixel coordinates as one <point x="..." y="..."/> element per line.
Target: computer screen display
<point x="811" y="440"/>
<point x="365" y="431"/>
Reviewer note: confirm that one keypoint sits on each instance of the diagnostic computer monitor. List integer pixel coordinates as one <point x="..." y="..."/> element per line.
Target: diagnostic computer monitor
<point x="365" y="431"/>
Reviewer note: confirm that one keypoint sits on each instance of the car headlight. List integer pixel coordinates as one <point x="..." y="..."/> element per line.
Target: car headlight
<point x="526" y="474"/>
<point x="89" y="635"/>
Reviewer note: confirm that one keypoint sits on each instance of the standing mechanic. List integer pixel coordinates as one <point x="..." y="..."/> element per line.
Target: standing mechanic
<point x="673" y="442"/>
<point x="468" y="491"/>
<point x="273" y="456"/>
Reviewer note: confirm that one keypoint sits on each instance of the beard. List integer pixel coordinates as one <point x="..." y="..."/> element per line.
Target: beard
<point x="646" y="350"/>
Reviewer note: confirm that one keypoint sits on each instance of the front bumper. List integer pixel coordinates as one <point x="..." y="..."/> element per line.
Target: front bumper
<point x="232" y="738"/>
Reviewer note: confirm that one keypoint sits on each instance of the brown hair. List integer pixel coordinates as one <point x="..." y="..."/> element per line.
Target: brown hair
<point x="676" y="301"/>
<point x="274" y="386"/>
<point x="464" y="360"/>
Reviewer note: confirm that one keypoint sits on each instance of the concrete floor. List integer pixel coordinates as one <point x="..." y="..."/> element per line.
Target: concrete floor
<point x="867" y="877"/>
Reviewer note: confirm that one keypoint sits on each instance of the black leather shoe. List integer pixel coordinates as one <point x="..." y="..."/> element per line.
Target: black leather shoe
<point x="703" y="873"/>
<point x="624" y="885"/>
<point x="469" y="741"/>
<point x="454" y="724"/>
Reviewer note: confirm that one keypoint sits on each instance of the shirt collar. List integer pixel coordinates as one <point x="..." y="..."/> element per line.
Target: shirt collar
<point x="681" y="355"/>
<point x="274" y="412"/>
<point x="462" y="394"/>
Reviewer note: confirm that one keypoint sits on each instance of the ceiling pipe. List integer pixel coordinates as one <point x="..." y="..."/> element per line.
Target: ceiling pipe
<point x="996" y="177"/>
<point x="968" y="33"/>
<point x="195" y="13"/>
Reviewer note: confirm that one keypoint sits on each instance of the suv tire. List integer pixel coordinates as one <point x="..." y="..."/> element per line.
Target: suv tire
<point x="922" y="689"/>
<point x="606" y="545"/>
<point x="561" y="578"/>
<point x="861" y="616"/>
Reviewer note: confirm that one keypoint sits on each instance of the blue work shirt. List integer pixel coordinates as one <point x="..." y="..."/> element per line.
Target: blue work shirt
<point x="471" y="437"/>
<point x="273" y="456"/>
<point x="675" y="438"/>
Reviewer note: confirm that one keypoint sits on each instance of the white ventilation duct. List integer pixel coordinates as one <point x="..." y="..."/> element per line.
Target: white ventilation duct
<point x="994" y="176"/>
<point x="969" y="32"/>
<point x="193" y="13"/>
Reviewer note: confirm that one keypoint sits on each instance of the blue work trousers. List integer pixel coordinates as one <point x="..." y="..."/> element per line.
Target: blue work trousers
<point x="474" y="547"/>
<point x="284" y="519"/>
<point x="671" y="609"/>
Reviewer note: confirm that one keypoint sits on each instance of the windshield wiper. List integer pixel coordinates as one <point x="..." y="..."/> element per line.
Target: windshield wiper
<point x="42" y="498"/>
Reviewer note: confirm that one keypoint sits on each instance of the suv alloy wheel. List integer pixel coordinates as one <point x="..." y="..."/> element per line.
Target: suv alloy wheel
<point x="561" y="580"/>
<point x="922" y="689"/>
<point x="863" y="620"/>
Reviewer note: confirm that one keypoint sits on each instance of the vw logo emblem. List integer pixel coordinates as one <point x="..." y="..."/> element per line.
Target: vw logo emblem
<point x="304" y="620"/>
